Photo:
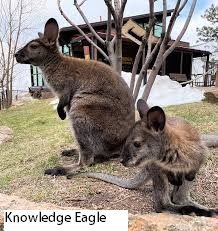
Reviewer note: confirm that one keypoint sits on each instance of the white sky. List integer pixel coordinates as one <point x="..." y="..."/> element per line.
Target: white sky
<point x="96" y="8"/>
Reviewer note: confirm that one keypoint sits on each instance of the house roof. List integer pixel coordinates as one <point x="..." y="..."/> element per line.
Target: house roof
<point x="141" y="17"/>
<point x="179" y="47"/>
<point x="66" y="33"/>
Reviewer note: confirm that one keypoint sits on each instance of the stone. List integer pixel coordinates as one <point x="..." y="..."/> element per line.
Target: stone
<point x="5" y="134"/>
<point x="147" y="222"/>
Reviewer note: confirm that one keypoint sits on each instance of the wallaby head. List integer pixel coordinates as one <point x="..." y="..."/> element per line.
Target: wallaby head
<point x="37" y="51"/>
<point x="144" y="142"/>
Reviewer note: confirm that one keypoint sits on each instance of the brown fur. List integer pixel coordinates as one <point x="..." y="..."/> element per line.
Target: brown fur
<point x="183" y="147"/>
<point x="98" y="100"/>
<point x="169" y="150"/>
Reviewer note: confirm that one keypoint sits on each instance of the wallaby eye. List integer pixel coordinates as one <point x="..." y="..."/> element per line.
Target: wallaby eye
<point x="33" y="46"/>
<point x="137" y="144"/>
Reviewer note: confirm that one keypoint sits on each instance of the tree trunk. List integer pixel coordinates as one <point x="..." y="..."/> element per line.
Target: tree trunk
<point x="118" y="53"/>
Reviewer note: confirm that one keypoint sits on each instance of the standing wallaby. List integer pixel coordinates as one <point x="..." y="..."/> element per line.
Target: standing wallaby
<point x="168" y="150"/>
<point x="99" y="103"/>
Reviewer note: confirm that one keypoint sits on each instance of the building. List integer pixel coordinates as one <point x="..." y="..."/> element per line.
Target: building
<point x="178" y="64"/>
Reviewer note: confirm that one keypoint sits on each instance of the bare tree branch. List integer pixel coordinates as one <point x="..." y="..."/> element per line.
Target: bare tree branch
<point x="112" y="10"/>
<point x="81" y="32"/>
<point x="117" y="6"/>
<point x="182" y="5"/>
<point x="163" y="53"/>
<point x="142" y="45"/>
<point x="14" y="15"/>
<point x="144" y="69"/>
<point x="87" y="22"/>
<point x="172" y="21"/>
<point x="188" y="19"/>
<point x="164" y="18"/>
<point x="123" y="5"/>
<point x="108" y="35"/>
<point x="82" y="3"/>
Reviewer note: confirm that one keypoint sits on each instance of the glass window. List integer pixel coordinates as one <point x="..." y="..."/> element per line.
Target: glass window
<point x="35" y="80"/>
<point x="34" y="70"/>
<point x="157" y="29"/>
<point x="67" y="50"/>
<point x="37" y="77"/>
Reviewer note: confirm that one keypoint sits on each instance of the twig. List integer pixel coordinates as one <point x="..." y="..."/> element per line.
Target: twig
<point x="87" y="22"/>
<point x="81" y="32"/>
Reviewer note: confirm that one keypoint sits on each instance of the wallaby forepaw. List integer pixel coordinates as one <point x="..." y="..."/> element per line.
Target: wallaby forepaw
<point x="62" y="115"/>
<point x="56" y="171"/>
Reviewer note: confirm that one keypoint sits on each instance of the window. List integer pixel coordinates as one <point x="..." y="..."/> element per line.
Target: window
<point x="157" y="29"/>
<point x="36" y="77"/>
<point x="66" y="50"/>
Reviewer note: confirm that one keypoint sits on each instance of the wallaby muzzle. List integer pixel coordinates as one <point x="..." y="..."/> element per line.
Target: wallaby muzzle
<point x="21" y="57"/>
<point x="125" y="159"/>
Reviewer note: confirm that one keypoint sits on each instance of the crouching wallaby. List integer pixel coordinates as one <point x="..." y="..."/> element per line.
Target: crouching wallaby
<point x="99" y="103"/>
<point x="169" y="150"/>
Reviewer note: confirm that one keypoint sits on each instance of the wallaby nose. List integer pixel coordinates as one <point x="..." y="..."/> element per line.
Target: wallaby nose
<point x="19" y="54"/>
<point x="124" y="160"/>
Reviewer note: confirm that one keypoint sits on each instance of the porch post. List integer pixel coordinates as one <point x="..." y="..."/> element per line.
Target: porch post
<point x="206" y="70"/>
<point x="216" y="80"/>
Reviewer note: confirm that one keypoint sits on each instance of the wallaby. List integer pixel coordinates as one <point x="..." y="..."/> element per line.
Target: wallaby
<point x="168" y="150"/>
<point x="99" y="103"/>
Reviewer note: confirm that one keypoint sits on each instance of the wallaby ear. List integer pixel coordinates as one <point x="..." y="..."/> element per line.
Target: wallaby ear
<point x="156" y="118"/>
<point x="142" y="108"/>
<point x="41" y="35"/>
<point x="51" y="30"/>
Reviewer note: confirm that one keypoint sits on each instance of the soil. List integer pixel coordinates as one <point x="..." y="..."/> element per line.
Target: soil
<point x="94" y="194"/>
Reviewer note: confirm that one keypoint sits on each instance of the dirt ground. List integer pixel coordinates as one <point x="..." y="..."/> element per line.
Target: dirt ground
<point x="94" y="194"/>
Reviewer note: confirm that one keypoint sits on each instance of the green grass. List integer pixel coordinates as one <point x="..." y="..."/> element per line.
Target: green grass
<point x="204" y="116"/>
<point x="39" y="135"/>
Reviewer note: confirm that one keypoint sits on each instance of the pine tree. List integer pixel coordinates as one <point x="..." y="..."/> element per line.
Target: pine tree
<point x="209" y="33"/>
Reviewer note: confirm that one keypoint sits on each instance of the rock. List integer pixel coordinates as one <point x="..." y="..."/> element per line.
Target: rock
<point x="5" y="134"/>
<point x="148" y="222"/>
<point x="212" y="95"/>
<point x="171" y="222"/>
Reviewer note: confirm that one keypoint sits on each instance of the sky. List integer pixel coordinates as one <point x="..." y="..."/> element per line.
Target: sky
<point x="94" y="9"/>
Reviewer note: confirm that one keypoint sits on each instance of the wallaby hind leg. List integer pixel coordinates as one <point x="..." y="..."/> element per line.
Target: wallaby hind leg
<point x="62" y="170"/>
<point x="90" y="144"/>
<point x="181" y="196"/>
<point x="86" y="157"/>
<point x="163" y="201"/>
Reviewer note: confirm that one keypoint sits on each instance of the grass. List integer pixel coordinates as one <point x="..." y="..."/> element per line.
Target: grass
<point x="39" y="135"/>
<point x="201" y="115"/>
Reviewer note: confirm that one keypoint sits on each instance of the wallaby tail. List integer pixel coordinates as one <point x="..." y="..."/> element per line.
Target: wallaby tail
<point x="141" y="178"/>
<point x="210" y="140"/>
